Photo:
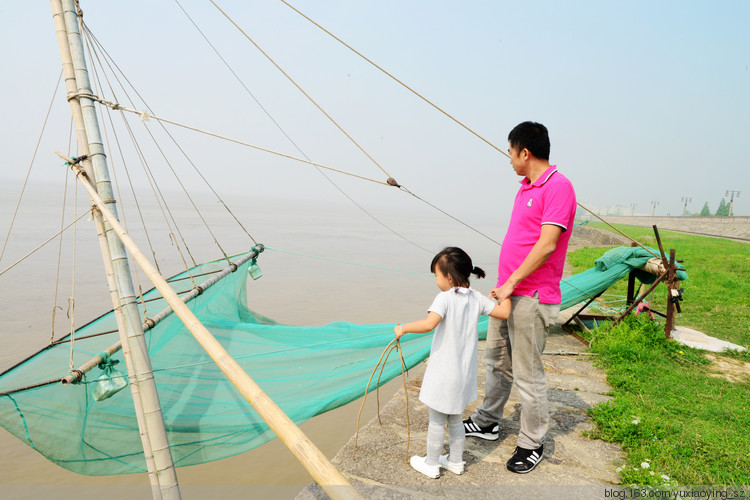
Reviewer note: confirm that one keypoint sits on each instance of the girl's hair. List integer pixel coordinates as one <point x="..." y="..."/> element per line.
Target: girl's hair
<point x="456" y="264"/>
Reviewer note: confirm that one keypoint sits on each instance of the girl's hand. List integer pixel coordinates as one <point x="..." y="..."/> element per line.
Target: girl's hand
<point x="399" y="331"/>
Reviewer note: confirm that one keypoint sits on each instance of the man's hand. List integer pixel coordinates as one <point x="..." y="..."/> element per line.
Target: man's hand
<point x="540" y="252"/>
<point x="503" y="292"/>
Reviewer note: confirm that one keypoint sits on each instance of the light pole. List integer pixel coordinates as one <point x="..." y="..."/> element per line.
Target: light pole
<point x="653" y="204"/>
<point x="731" y="200"/>
<point x="632" y="209"/>
<point x="684" y="208"/>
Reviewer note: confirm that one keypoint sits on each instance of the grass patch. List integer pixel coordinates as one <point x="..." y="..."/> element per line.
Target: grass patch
<point x="676" y="423"/>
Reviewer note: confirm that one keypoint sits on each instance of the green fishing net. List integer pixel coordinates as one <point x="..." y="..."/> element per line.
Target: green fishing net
<point x="305" y="370"/>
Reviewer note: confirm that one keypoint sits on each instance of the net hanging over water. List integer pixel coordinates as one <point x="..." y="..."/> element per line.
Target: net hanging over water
<point x="307" y="371"/>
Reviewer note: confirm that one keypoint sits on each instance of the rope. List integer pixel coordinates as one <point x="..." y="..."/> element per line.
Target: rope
<point x="467" y="128"/>
<point x="161" y="200"/>
<point x="372" y="216"/>
<point x="146" y="115"/>
<point x="410" y="90"/>
<point x="71" y="299"/>
<point x="291" y="141"/>
<point x="31" y="165"/>
<point x="114" y="170"/>
<point x="620" y="232"/>
<point x="301" y="90"/>
<point x="449" y="215"/>
<point x="41" y="245"/>
<point x="166" y="131"/>
<point x="23" y="420"/>
<point x="132" y="191"/>
<point x="143" y="113"/>
<point x="390" y="182"/>
<point x="388" y="349"/>
<point x="160" y="119"/>
<point x="177" y="178"/>
<point x="59" y="248"/>
<point x="158" y="196"/>
<point x="394" y="78"/>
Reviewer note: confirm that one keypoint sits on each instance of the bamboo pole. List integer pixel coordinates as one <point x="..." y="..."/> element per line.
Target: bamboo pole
<point x="76" y="374"/>
<point x="82" y="140"/>
<point x="319" y="467"/>
<point x="161" y="473"/>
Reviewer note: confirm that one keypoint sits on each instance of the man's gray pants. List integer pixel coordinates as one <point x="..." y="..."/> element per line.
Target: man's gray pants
<point x="513" y="351"/>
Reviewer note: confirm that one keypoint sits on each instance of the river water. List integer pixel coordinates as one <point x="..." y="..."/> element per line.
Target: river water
<point x="325" y="261"/>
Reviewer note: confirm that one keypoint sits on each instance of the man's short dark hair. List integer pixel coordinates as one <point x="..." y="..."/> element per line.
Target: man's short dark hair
<point x="532" y="136"/>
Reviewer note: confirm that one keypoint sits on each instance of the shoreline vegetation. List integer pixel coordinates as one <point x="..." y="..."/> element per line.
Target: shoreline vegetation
<point x="680" y="414"/>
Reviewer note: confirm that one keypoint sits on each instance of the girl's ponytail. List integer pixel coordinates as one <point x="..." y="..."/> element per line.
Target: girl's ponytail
<point x="456" y="264"/>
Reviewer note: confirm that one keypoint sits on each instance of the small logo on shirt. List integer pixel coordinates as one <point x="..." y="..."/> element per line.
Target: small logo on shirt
<point x="530" y="202"/>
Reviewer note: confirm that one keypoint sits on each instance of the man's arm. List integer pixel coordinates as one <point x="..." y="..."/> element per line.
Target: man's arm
<point x="538" y="255"/>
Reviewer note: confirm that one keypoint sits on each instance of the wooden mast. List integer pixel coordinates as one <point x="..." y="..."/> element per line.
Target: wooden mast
<point x="162" y="474"/>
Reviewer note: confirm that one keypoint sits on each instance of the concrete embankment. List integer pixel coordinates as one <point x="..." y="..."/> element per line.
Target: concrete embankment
<point x="725" y="227"/>
<point x="574" y="466"/>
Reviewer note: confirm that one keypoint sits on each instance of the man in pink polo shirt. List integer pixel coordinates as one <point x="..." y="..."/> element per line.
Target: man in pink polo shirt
<point x="530" y="270"/>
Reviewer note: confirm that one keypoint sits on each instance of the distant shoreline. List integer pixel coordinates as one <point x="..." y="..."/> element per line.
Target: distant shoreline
<point x="736" y="227"/>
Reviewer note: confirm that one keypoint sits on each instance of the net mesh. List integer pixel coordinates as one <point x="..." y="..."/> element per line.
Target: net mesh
<point x="305" y="370"/>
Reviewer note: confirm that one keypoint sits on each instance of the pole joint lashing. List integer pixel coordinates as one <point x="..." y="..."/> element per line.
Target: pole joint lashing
<point x="256" y="251"/>
<point x="79" y="11"/>
<point x="75" y="160"/>
<point x="78" y="95"/>
<point x="392" y="182"/>
<point x="77" y="377"/>
<point x="115" y="106"/>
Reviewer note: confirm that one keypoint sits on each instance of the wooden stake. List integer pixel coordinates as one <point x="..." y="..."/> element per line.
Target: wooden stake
<point x="637" y="301"/>
<point x="671" y="272"/>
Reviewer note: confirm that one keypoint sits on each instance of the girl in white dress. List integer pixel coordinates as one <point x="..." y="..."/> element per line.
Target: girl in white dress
<point x="450" y="381"/>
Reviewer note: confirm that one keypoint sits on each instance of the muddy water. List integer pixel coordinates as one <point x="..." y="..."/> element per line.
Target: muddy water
<point x="295" y="289"/>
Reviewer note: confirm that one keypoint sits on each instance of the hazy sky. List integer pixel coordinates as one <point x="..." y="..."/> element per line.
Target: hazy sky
<point x="645" y="101"/>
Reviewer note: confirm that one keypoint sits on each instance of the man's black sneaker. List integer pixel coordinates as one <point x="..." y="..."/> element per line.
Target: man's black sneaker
<point x="524" y="460"/>
<point x="490" y="433"/>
